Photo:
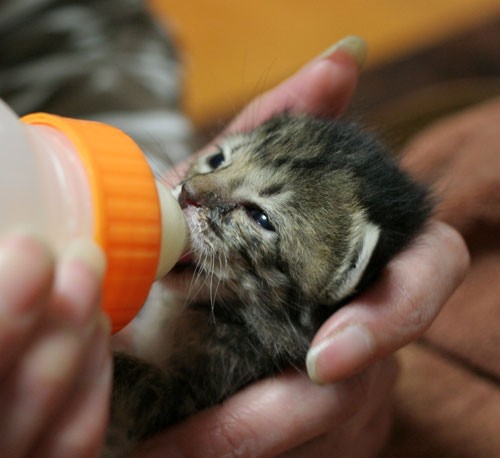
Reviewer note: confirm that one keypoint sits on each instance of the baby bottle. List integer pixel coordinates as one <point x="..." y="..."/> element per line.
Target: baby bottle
<point x="70" y="178"/>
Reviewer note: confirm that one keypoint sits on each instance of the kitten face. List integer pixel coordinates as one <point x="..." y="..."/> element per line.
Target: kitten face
<point x="275" y="210"/>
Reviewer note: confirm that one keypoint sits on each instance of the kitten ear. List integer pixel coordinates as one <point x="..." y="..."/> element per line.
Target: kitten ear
<point x="363" y="243"/>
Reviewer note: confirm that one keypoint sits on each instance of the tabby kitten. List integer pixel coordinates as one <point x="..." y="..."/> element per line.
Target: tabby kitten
<point x="287" y="223"/>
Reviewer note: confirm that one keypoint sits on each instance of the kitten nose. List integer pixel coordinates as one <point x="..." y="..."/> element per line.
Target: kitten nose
<point x="189" y="196"/>
<point x="198" y="192"/>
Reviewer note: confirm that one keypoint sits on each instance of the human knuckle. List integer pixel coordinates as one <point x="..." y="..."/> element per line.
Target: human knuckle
<point x="413" y="314"/>
<point x="444" y="253"/>
<point x="441" y="266"/>
<point x="232" y="437"/>
<point x="54" y="362"/>
<point x="458" y="247"/>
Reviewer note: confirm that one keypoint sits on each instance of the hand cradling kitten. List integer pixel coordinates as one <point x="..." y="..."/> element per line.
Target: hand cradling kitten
<point x="287" y="223"/>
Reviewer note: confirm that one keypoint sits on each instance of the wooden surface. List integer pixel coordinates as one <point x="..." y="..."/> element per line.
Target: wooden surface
<point x="234" y="50"/>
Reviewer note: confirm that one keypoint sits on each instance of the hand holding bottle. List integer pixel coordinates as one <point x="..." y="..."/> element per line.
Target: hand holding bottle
<point x="55" y="364"/>
<point x="69" y="178"/>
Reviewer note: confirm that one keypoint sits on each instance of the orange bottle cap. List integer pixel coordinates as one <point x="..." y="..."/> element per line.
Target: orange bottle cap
<point x="126" y="211"/>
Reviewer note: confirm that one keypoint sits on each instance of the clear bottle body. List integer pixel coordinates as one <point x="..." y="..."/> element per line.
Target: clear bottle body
<point x="42" y="181"/>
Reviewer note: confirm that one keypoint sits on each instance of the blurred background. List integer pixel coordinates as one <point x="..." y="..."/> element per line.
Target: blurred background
<point x="425" y="57"/>
<point x="106" y="60"/>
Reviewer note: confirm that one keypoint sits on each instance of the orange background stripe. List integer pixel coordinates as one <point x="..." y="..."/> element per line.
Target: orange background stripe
<point x="234" y="50"/>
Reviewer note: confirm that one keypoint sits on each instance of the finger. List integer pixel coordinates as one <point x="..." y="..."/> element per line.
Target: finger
<point x="397" y="309"/>
<point x="361" y="437"/>
<point x="371" y="439"/>
<point x="77" y="289"/>
<point x="294" y="409"/>
<point x="39" y="383"/>
<point x="36" y="389"/>
<point x="377" y="432"/>
<point x="322" y="87"/>
<point x="26" y="275"/>
<point x="80" y="428"/>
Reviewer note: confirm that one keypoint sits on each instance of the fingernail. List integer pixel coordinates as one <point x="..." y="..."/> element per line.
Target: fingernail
<point x="89" y="253"/>
<point x="77" y="287"/>
<point x="353" y="45"/>
<point x="333" y="356"/>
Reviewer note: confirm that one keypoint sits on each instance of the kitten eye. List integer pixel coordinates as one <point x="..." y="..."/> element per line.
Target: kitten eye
<point x="260" y="218"/>
<point x="216" y="160"/>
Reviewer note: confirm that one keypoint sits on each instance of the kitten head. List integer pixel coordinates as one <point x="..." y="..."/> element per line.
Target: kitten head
<point x="299" y="210"/>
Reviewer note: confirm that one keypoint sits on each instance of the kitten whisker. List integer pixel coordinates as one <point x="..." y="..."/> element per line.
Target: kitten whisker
<point x="200" y="272"/>
<point x="219" y="281"/>
<point x="195" y="280"/>
<point x="212" y="299"/>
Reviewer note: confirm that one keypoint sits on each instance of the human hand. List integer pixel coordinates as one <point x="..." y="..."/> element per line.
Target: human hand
<point x="394" y="311"/>
<point x="55" y="365"/>
<point x="350" y="418"/>
<point x="403" y="304"/>
<point x="287" y="414"/>
<point x="292" y="417"/>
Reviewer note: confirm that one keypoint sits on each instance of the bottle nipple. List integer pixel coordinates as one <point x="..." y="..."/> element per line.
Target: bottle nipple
<point x="174" y="236"/>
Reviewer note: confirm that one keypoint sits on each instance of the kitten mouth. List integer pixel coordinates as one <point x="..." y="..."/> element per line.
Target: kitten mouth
<point x="186" y="262"/>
